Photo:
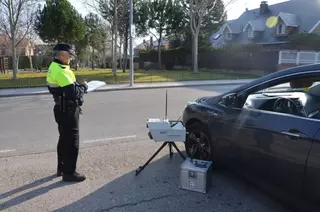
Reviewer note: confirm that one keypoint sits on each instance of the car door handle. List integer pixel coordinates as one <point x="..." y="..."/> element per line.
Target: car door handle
<point x="296" y="135"/>
<point x="291" y="134"/>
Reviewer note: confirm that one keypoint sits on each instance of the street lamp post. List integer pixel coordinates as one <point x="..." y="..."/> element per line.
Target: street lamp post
<point x="131" y="43"/>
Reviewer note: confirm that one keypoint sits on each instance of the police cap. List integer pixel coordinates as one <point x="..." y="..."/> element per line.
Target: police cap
<point x="64" y="47"/>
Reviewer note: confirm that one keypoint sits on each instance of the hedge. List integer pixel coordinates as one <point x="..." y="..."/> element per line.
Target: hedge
<point x="231" y="57"/>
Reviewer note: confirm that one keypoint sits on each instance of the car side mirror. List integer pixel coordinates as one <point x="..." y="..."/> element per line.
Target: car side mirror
<point x="230" y="100"/>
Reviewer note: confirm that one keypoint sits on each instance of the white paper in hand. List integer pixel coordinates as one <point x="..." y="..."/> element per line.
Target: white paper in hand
<point x="93" y="85"/>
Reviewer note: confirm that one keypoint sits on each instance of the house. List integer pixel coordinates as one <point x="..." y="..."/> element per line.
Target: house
<point x="43" y="49"/>
<point x="150" y="45"/>
<point x="24" y="48"/>
<point x="270" y="25"/>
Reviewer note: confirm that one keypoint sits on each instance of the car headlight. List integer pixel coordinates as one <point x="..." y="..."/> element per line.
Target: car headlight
<point x="190" y="103"/>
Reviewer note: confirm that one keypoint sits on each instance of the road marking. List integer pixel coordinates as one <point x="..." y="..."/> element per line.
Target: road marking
<point x="108" y="139"/>
<point x="7" y="150"/>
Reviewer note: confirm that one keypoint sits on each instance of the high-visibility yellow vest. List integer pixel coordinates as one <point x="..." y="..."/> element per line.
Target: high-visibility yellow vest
<point x="60" y="75"/>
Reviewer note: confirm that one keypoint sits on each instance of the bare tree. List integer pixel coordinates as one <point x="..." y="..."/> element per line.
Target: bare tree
<point x="16" y="20"/>
<point x="107" y="6"/>
<point x="198" y="10"/>
<point x="104" y="50"/>
<point x="116" y="13"/>
<point x="31" y="39"/>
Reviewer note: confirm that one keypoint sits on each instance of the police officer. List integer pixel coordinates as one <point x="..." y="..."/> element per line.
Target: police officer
<point x="68" y="97"/>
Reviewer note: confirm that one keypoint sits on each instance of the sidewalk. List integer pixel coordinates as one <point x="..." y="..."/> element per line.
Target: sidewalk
<point x="115" y="87"/>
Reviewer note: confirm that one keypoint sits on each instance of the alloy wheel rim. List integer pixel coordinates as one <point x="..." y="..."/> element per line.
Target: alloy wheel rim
<point x="199" y="146"/>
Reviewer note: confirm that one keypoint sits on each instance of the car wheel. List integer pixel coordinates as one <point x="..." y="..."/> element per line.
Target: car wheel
<point x="198" y="144"/>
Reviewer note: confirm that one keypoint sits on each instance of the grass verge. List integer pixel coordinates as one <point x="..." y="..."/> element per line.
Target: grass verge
<point x="32" y="79"/>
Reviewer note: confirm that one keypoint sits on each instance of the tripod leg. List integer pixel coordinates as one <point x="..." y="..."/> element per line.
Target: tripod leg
<point x="170" y="149"/>
<point x="180" y="153"/>
<point x="150" y="159"/>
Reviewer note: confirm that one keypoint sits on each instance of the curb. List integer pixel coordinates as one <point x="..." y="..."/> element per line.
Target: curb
<point x="168" y="86"/>
<point x="130" y="88"/>
<point x="23" y="94"/>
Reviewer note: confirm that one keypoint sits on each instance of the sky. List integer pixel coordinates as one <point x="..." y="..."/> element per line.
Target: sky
<point x="233" y="11"/>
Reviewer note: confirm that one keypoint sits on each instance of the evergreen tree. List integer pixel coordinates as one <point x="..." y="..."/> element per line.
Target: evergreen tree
<point x="58" y="21"/>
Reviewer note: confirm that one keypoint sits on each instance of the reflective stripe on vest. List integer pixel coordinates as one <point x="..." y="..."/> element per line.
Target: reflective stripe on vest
<point x="52" y="85"/>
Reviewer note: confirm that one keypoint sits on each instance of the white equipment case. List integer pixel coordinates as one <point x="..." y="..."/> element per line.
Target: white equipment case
<point x="195" y="175"/>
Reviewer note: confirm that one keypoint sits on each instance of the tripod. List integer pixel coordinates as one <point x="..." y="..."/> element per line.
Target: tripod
<point x="170" y="143"/>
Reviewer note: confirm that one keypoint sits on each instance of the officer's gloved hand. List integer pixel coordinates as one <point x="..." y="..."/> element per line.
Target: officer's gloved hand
<point x="80" y="101"/>
<point x="85" y="86"/>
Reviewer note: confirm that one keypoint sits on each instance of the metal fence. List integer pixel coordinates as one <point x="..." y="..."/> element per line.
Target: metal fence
<point x="298" y="57"/>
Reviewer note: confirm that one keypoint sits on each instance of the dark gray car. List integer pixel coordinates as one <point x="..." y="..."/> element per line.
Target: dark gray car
<point x="267" y="131"/>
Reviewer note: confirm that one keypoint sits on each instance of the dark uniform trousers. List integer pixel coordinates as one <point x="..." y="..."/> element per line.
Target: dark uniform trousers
<point x="68" y="144"/>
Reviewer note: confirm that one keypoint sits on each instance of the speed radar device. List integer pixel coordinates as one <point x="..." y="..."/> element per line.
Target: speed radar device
<point x="165" y="131"/>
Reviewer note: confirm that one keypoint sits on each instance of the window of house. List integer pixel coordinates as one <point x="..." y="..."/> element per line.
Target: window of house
<point x="281" y="29"/>
<point x="228" y="36"/>
<point x="250" y="32"/>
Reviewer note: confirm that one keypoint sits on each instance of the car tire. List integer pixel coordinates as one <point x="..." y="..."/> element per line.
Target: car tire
<point x="202" y="148"/>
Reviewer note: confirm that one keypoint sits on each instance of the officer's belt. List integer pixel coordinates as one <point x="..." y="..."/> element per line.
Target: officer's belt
<point x="58" y="101"/>
<point x="67" y="103"/>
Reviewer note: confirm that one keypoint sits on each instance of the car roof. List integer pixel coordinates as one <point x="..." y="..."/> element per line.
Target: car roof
<point x="282" y="73"/>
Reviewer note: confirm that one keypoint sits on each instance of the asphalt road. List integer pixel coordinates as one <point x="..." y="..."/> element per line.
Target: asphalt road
<point x="27" y="184"/>
<point x="27" y="123"/>
<point x="113" y="129"/>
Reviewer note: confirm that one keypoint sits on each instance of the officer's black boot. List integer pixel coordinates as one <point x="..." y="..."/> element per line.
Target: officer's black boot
<point x="75" y="177"/>
<point x="59" y="172"/>
<point x="59" y="169"/>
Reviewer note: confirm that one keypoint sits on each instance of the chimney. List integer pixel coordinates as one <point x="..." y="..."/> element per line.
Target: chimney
<point x="264" y="8"/>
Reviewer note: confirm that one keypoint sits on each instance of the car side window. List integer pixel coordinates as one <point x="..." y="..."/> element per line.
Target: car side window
<point x="288" y="98"/>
